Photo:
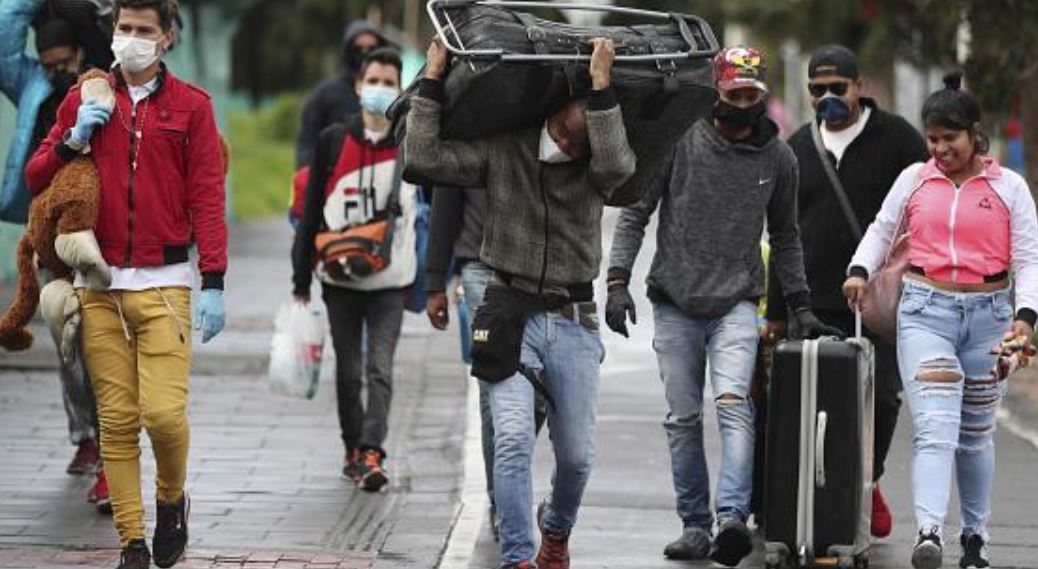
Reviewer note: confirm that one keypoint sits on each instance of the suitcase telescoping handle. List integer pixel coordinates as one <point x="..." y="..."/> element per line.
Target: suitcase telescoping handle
<point x="438" y="8"/>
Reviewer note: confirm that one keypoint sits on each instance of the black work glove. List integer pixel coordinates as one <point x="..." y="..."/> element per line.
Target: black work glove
<point x="807" y="326"/>
<point x="618" y="305"/>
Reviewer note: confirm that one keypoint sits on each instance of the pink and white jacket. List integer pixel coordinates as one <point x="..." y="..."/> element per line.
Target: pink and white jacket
<point x="985" y="227"/>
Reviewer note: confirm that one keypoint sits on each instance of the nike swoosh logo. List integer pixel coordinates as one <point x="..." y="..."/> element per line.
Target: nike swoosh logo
<point x="763" y="181"/>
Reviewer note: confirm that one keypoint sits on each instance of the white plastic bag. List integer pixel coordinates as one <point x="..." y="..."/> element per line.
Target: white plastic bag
<point x="295" y="350"/>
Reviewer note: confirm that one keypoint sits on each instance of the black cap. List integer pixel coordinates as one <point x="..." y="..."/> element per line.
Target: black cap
<point x="833" y="60"/>
<point x="55" y="32"/>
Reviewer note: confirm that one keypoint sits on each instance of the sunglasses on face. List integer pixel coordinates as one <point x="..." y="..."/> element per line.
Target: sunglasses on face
<point x="819" y="89"/>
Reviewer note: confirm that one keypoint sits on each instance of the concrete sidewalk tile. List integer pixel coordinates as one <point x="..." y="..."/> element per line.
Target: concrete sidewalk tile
<point x="264" y="557"/>
<point x="326" y="559"/>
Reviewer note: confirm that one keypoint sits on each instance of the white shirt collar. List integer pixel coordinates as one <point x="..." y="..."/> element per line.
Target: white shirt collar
<point x="139" y="92"/>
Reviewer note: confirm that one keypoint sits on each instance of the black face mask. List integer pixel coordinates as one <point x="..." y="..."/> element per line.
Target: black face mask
<point x="355" y="57"/>
<point x="736" y="117"/>
<point x="62" y="81"/>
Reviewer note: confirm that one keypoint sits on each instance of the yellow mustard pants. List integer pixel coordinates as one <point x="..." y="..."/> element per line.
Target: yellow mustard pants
<point x="137" y="348"/>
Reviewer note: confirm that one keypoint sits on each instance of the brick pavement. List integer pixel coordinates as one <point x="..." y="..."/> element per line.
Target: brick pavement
<point x="264" y="469"/>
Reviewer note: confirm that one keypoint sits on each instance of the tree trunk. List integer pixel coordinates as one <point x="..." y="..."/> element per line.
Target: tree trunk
<point x="1029" y="117"/>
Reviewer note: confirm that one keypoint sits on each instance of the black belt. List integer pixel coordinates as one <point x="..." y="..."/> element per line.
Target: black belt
<point x="997" y="277"/>
<point x="583" y="292"/>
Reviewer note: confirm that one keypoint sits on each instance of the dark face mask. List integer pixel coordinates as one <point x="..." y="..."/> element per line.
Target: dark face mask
<point x="833" y="110"/>
<point x="62" y="81"/>
<point x="355" y="57"/>
<point x="738" y="117"/>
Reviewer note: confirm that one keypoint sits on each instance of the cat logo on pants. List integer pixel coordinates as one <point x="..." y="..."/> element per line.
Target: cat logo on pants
<point x="481" y="336"/>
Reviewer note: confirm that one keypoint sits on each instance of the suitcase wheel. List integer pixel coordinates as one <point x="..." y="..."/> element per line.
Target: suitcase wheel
<point x="776" y="555"/>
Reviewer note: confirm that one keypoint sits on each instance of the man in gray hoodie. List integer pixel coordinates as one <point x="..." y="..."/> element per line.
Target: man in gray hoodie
<point x="727" y="174"/>
<point x="546" y="187"/>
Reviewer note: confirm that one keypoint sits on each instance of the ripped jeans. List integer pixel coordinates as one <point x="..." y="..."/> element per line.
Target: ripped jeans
<point x="684" y="345"/>
<point x="944" y="353"/>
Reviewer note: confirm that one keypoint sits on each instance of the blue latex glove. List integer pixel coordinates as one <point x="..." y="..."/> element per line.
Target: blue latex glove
<point x="210" y="313"/>
<point x="90" y="116"/>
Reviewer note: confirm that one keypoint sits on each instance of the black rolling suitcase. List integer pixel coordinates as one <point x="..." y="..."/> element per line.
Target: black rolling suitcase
<point x="818" y="478"/>
<point x="510" y="70"/>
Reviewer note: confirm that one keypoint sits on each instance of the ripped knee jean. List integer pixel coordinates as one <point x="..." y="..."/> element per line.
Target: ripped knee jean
<point x="684" y="346"/>
<point x="944" y="354"/>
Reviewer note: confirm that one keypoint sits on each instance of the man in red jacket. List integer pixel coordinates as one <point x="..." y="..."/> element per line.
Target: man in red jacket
<point x="162" y="187"/>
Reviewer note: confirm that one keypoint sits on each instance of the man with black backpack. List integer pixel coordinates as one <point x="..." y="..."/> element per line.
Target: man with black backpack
<point x="849" y="158"/>
<point x="358" y="230"/>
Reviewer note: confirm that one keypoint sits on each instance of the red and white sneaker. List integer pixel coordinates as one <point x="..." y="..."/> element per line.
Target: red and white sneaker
<point x="98" y="494"/>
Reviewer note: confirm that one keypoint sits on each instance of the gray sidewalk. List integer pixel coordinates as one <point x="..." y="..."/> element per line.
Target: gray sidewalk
<point x="264" y="469"/>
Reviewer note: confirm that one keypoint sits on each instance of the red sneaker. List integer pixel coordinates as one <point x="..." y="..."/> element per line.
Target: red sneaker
<point x="882" y="523"/>
<point x="98" y="495"/>
<point x="372" y="474"/>
<point x="554" y="552"/>
<point x="85" y="461"/>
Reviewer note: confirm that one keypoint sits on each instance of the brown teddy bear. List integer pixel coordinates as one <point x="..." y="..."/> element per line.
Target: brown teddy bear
<point x="59" y="235"/>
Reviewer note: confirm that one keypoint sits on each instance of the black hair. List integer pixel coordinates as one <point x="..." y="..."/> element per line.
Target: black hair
<point x="55" y="32"/>
<point x="955" y="109"/>
<point x="385" y="56"/>
<point x="168" y="10"/>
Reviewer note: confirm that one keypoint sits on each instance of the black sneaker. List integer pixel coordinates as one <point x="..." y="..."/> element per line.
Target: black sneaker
<point x="170" y="537"/>
<point x="373" y="475"/>
<point x="927" y="553"/>
<point x="974" y="552"/>
<point x="694" y="543"/>
<point x="135" y="556"/>
<point x="733" y="542"/>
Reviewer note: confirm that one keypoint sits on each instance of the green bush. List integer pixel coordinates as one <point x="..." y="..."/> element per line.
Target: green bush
<point x="263" y="157"/>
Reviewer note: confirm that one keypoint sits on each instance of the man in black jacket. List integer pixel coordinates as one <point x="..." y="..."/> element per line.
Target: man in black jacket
<point x="335" y="99"/>
<point x="868" y="149"/>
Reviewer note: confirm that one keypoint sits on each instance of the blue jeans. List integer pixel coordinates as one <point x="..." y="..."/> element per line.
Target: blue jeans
<point x="684" y="345"/>
<point x="944" y="343"/>
<point x="474" y="279"/>
<point x="567" y="356"/>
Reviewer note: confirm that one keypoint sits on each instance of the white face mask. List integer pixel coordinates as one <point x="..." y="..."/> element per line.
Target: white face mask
<point x="550" y="151"/>
<point x="134" y="54"/>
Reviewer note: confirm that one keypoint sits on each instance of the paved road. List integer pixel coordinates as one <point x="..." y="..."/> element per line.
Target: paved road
<point x="263" y="468"/>
<point x="628" y="513"/>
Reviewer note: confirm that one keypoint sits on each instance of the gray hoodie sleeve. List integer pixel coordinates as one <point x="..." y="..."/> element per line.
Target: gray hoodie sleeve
<point x="787" y="255"/>
<point x="612" y="160"/>
<point x="449" y="162"/>
<point x="630" y="227"/>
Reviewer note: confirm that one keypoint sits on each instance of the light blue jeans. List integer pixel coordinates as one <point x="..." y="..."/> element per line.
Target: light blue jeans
<point x="474" y="279"/>
<point x="684" y="345"/>
<point x="567" y="355"/>
<point x="944" y="343"/>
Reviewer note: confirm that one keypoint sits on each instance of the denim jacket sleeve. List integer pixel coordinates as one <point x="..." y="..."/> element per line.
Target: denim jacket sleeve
<point x="16" y="68"/>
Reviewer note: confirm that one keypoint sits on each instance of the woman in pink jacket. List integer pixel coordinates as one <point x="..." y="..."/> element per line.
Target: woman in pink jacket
<point x="971" y="226"/>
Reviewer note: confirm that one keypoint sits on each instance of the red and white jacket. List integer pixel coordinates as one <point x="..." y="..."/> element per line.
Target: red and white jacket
<point x="960" y="234"/>
<point x="149" y="217"/>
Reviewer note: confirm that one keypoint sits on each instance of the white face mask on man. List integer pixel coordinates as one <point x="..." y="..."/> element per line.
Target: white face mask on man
<point x="134" y="54"/>
<point x="549" y="150"/>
